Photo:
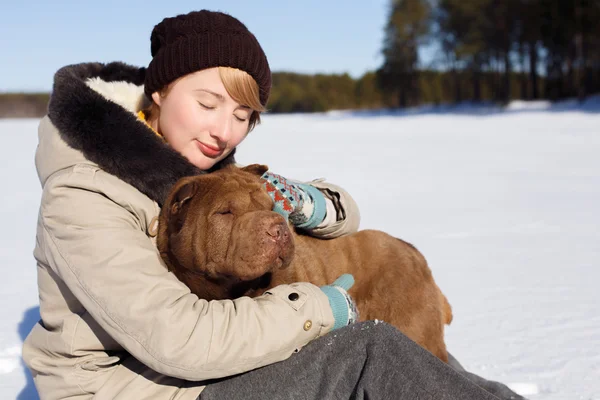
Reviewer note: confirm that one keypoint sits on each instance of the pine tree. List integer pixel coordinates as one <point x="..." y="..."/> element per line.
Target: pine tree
<point x="407" y="28"/>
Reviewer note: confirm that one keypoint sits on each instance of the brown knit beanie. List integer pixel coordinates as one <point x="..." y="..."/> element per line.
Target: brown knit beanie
<point x="204" y="39"/>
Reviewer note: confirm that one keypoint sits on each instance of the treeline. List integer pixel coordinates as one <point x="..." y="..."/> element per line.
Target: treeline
<point x="293" y="92"/>
<point x="494" y="50"/>
<point x="23" y="105"/>
<point x="485" y="50"/>
<point x="314" y="93"/>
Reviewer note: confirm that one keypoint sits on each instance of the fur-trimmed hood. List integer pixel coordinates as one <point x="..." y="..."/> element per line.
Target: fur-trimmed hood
<point x="93" y="106"/>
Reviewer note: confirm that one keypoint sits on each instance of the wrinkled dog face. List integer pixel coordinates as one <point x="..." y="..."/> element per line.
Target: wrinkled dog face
<point x="222" y="225"/>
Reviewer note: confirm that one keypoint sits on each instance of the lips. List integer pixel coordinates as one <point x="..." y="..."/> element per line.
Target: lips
<point x="209" y="151"/>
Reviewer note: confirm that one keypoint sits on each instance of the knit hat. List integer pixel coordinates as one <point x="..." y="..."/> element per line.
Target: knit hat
<point x="204" y="39"/>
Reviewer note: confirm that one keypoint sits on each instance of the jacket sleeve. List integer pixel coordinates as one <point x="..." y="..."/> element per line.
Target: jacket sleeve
<point x="346" y="218"/>
<point x="101" y="251"/>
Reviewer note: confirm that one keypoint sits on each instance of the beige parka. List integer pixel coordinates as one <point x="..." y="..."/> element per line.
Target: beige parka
<point x="115" y="324"/>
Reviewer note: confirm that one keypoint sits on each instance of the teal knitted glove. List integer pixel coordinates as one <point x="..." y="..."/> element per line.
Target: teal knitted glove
<point x="343" y="307"/>
<point x="304" y="205"/>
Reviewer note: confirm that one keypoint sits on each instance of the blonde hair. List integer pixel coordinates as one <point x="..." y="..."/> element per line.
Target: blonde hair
<point x="239" y="84"/>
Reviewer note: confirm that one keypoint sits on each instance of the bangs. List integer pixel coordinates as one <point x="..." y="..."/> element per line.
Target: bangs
<point x="243" y="89"/>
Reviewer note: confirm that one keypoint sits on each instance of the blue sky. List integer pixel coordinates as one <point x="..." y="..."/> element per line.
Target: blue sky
<point x="38" y="37"/>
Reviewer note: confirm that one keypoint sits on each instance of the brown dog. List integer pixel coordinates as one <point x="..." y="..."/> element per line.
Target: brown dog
<point x="218" y="235"/>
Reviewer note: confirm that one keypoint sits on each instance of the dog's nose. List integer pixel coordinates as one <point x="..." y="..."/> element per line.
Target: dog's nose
<point x="276" y="230"/>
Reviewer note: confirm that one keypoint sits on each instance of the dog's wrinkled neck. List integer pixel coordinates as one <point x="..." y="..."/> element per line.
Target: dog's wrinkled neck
<point x="203" y="285"/>
<point x="219" y="287"/>
<point x="250" y="288"/>
<point x="197" y="281"/>
<point x="231" y="287"/>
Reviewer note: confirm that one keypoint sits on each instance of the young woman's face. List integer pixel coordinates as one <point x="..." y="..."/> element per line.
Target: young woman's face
<point x="200" y="120"/>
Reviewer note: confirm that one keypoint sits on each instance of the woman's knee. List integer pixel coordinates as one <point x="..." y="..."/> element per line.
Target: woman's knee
<point x="370" y="335"/>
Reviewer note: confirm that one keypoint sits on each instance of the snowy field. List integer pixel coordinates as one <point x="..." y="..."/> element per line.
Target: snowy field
<point x="505" y="205"/>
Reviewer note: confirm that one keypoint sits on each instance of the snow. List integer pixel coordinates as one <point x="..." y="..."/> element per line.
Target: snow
<point x="503" y="202"/>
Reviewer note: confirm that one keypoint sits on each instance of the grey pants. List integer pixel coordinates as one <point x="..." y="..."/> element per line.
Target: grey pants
<point x="362" y="361"/>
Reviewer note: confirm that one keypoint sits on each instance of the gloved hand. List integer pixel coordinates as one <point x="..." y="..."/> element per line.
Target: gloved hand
<point x="302" y="204"/>
<point x="343" y="307"/>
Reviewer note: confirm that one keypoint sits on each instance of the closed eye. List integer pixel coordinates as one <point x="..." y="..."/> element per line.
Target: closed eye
<point x="206" y="107"/>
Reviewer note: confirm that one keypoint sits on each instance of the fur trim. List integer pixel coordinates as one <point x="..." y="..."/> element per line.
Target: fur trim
<point x="126" y="94"/>
<point x="93" y="106"/>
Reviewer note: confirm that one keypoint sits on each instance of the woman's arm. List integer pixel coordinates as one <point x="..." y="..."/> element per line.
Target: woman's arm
<point x="101" y="251"/>
<point x="343" y="216"/>
<point x="319" y="208"/>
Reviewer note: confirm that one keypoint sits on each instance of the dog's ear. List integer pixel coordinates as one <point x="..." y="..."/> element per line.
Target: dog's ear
<point x="183" y="195"/>
<point x="256" y="169"/>
<point x="180" y="204"/>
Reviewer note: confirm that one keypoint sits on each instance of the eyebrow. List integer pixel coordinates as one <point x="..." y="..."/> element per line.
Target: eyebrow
<point x="218" y="96"/>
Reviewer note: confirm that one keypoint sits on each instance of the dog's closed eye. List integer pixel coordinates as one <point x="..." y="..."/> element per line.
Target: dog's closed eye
<point x="224" y="212"/>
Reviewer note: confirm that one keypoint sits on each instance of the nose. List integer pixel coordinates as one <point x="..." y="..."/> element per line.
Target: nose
<point x="221" y="129"/>
<point x="277" y="231"/>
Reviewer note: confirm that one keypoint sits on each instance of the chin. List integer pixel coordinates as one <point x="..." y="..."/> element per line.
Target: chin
<point x="201" y="161"/>
<point x="205" y="164"/>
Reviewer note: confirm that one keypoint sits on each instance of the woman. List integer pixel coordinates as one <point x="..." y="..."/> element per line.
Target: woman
<point x="115" y="323"/>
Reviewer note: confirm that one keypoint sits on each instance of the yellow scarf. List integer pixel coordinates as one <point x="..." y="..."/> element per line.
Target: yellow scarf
<point x="142" y="116"/>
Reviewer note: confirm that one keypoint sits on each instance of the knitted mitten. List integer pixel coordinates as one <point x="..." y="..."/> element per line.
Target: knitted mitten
<point x="304" y="205"/>
<point x="343" y="307"/>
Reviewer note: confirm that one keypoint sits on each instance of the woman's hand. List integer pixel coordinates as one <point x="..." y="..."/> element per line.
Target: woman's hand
<point x="302" y="204"/>
<point x="343" y="307"/>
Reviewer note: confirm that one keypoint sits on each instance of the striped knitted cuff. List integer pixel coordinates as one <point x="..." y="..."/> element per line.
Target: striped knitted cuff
<point x="339" y="305"/>
<point x="319" y="206"/>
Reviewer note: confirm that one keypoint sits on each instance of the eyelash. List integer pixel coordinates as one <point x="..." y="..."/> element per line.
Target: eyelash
<point x="212" y="108"/>
<point x="206" y="107"/>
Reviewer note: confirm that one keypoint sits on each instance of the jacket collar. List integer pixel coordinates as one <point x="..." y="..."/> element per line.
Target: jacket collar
<point x="94" y="108"/>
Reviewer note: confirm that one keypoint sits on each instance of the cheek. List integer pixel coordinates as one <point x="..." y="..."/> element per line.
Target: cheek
<point x="238" y="136"/>
<point x="178" y="123"/>
<point x="205" y="163"/>
<point x="219" y="234"/>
